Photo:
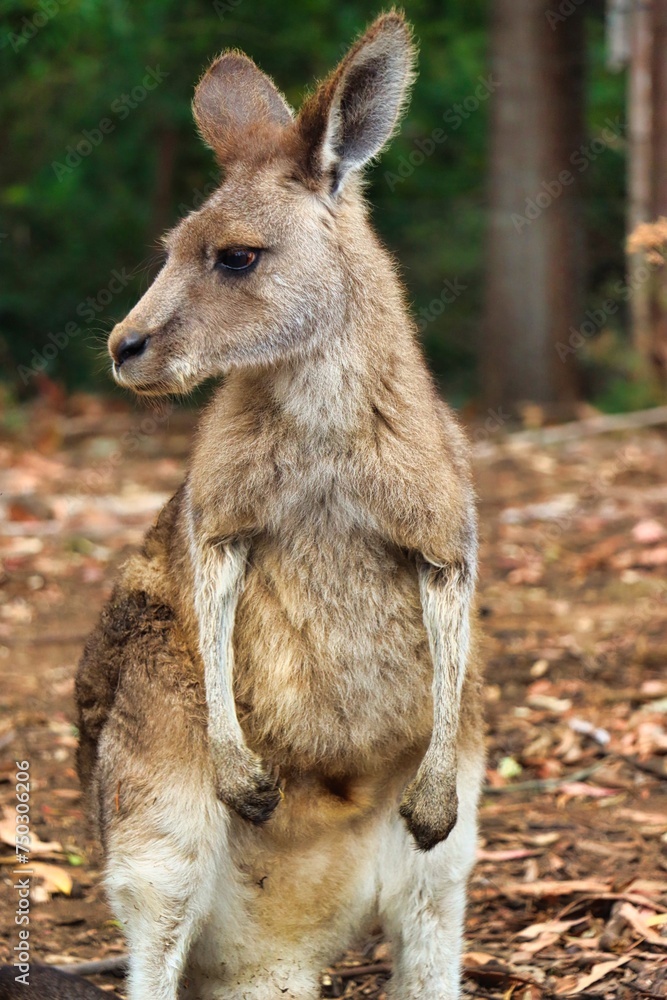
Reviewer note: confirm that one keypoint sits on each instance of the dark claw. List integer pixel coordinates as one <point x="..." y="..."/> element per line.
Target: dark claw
<point x="256" y="804"/>
<point x="259" y="806"/>
<point x="426" y="836"/>
<point x="430" y="809"/>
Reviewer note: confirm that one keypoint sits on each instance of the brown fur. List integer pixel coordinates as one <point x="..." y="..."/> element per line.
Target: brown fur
<point x="328" y="463"/>
<point x="141" y="647"/>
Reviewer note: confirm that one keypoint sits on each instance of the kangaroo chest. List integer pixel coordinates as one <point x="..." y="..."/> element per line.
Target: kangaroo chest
<point x="330" y="649"/>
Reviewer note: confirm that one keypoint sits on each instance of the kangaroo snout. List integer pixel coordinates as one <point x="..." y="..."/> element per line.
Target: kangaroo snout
<point x="131" y="344"/>
<point x="145" y="347"/>
<point x="133" y="364"/>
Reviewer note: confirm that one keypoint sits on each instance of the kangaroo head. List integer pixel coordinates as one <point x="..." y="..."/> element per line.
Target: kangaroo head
<point x="264" y="269"/>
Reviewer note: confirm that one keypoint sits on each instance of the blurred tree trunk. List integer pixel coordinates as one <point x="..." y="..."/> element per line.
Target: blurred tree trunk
<point x="640" y="166"/>
<point x="534" y="284"/>
<point x="659" y="182"/>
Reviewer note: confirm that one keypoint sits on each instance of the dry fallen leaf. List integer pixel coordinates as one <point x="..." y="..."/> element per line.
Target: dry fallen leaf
<point x="597" y="973"/>
<point x="548" y="927"/>
<point x="549" y="703"/>
<point x="637" y="816"/>
<point x="512" y="855"/>
<point x="537" y="937"/>
<point x="473" y="959"/>
<point x="553" y="887"/>
<point x="54" y="879"/>
<point x="635" y="919"/>
<point x="578" y="789"/>
<point x="37" y="846"/>
<point x="648" y="531"/>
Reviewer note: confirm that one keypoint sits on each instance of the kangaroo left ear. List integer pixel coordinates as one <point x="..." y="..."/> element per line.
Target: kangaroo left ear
<point x="354" y="112"/>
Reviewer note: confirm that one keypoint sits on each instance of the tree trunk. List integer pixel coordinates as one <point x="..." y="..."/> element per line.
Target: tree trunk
<point x="659" y="182"/>
<point x="534" y="285"/>
<point x="640" y="167"/>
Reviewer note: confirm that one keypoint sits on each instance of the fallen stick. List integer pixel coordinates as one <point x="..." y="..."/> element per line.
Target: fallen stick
<point x="497" y="973"/>
<point x="552" y="784"/>
<point x="352" y="971"/>
<point x="115" y="965"/>
<point x="642" y="766"/>
<point x="544" y="784"/>
<point x="604" y="424"/>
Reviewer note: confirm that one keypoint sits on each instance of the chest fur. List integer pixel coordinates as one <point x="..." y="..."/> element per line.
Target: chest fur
<point x="331" y="653"/>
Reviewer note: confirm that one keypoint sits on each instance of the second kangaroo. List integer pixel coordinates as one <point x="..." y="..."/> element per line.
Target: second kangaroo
<point x="279" y="710"/>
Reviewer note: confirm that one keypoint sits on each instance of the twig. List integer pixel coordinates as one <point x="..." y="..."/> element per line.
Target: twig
<point x="352" y="971"/>
<point x="661" y="775"/>
<point x="490" y="971"/>
<point x="116" y="964"/>
<point x="603" y="424"/>
<point x="551" y="784"/>
<point x="544" y="784"/>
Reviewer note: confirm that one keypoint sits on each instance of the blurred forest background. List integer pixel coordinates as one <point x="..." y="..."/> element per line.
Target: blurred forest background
<point x="518" y="279"/>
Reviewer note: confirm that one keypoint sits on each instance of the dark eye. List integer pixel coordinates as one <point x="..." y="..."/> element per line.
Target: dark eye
<point x="236" y="258"/>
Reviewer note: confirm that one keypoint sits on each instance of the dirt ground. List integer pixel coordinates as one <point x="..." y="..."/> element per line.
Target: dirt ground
<point x="570" y="893"/>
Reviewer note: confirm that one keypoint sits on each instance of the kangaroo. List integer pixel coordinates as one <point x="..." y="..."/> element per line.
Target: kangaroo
<point x="280" y="721"/>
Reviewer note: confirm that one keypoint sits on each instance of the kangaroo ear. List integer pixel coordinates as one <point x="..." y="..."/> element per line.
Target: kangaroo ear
<point x="234" y="98"/>
<point x="354" y="112"/>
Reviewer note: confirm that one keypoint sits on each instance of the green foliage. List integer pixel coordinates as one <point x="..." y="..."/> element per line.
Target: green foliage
<point x="618" y="379"/>
<point x="69" y="227"/>
<point x="604" y="182"/>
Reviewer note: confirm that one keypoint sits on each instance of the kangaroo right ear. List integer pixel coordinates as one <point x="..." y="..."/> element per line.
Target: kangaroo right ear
<point x="234" y="98"/>
<point x="354" y="112"/>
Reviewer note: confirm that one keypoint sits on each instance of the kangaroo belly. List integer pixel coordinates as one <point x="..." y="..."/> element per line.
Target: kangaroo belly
<point x="332" y="663"/>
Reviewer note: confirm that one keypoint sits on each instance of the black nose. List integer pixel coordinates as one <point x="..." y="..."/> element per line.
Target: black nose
<point x="131" y="346"/>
